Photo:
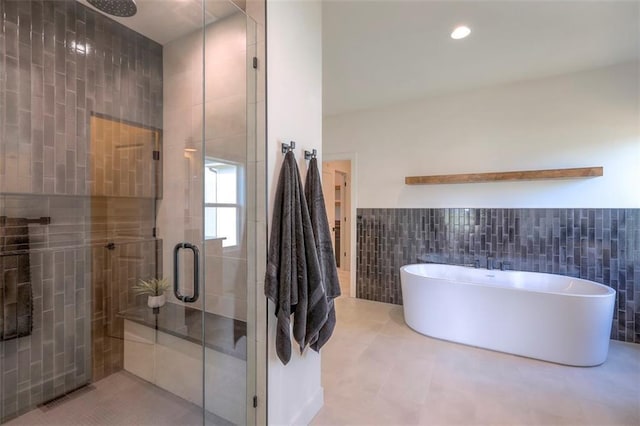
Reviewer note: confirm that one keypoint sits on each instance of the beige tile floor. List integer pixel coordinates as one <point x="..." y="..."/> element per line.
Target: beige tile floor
<point x="377" y="371"/>
<point x="120" y="399"/>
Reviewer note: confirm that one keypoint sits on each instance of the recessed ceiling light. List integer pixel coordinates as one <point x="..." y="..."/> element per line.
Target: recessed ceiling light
<point x="460" y="32"/>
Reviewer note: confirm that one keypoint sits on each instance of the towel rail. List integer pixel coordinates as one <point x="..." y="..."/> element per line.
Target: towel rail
<point x="44" y="220"/>
<point x="40" y="221"/>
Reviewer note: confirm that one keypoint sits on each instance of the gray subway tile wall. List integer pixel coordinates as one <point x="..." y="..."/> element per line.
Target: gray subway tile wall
<point x="115" y="272"/>
<point x="602" y="245"/>
<point x="61" y="62"/>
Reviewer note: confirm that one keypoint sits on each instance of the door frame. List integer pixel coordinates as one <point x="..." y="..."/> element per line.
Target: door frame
<point x="341" y="218"/>
<point x="353" y="158"/>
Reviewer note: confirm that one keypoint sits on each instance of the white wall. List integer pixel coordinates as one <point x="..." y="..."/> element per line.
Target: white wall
<point x="294" y="112"/>
<point x="589" y="118"/>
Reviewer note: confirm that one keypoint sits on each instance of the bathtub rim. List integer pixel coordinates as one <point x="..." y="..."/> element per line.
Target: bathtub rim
<point x="610" y="291"/>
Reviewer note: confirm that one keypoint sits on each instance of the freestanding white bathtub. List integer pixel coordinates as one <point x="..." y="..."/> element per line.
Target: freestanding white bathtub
<point x="549" y="317"/>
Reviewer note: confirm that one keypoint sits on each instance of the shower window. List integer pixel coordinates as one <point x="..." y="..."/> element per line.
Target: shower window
<point x="222" y="207"/>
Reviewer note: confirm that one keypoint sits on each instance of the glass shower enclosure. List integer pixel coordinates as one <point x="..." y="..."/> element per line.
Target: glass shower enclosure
<point x="127" y="154"/>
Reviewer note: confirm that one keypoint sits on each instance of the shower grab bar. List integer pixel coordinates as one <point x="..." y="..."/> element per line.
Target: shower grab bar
<point x="196" y="272"/>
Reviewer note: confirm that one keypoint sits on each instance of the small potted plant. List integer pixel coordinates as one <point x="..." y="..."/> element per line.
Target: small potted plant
<point x="154" y="288"/>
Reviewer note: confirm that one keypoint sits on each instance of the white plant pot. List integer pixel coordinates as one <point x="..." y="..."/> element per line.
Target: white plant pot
<point x="156" y="301"/>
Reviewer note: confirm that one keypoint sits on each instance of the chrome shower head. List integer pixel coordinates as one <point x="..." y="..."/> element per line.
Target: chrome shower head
<point x="119" y="8"/>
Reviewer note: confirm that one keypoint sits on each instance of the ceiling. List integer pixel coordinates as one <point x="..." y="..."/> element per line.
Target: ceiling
<point x="377" y="53"/>
<point x="167" y="20"/>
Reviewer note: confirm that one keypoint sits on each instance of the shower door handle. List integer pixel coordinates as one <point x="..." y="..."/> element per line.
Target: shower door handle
<point x="196" y="273"/>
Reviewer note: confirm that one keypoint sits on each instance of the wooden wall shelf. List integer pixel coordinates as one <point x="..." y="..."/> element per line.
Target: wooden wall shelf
<point x="580" y="172"/>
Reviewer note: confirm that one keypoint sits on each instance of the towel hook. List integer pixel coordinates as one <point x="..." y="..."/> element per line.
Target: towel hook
<point x="288" y="147"/>
<point x="308" y="155"/>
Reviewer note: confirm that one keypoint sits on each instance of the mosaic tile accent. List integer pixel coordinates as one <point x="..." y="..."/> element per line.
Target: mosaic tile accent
<point x="602" y="245"/>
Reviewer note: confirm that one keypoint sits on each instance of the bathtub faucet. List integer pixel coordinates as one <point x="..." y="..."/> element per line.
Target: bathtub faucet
<point x="490" y="264"/>
<point x="475" y="264"/>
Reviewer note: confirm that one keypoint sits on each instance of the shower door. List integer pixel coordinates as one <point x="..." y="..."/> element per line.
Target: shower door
<point x="127" y="154"/>
<point x="206" y="210"/>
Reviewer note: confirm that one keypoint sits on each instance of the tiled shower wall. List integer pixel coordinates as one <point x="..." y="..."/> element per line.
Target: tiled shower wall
<point x="56" y="357"/>
<point x="601" y="245"/>
<point x="59" y="63"/>
<point x="115" y="271"/>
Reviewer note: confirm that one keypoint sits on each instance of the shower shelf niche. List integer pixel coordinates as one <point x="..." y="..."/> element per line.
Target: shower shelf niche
<point x="579" y="172"/>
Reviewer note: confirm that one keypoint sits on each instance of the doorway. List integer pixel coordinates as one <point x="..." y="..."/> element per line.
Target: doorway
<point x="336" y="182"/>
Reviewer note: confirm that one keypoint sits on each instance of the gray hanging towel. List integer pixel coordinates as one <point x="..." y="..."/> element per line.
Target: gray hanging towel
<point x="324" y="246"/>
<point x="16" y="298"/>
<point x="293" y="280"/>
